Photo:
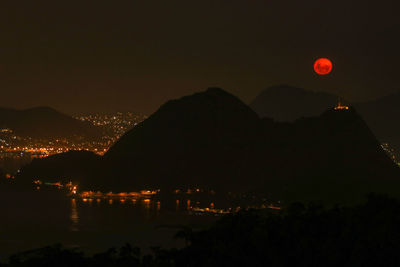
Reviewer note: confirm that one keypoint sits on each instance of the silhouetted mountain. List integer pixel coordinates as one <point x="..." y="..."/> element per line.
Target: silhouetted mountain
<point x="205" y="139"/>
<point x="213" y="140"/>
<point x="45" y="122"/>
<point x="382" y="116"/>
<point x="334" y="156"/>
<point x="286" y="103"/>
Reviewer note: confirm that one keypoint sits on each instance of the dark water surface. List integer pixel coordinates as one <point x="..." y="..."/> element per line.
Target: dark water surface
<point x="36" y="219"/>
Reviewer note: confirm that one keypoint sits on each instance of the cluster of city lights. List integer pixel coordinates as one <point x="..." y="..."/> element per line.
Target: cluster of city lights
<point x="24" y="148"/>
<point x="391" y="152"/>
<point x="113" y="125"/>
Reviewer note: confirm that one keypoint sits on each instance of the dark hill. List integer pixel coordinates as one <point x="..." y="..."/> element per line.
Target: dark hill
<point x="212" y="140"/>
<point x="45" y="122"/>
<point x="77" y="166"/>
<point x="382" y="116"/>
<point x="335" y="156"/>
<point x="204" y="139"/>
<point x="286" y="103"/>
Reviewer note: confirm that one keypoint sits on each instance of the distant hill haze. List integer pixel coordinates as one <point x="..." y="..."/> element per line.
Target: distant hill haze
<point x="213" y="140"/>
<point x="286" y="103"/>
<point x="45" y="122"/>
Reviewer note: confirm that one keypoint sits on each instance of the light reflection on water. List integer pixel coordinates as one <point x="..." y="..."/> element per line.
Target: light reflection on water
<point x="149" y="207"/>
<point x="158" y="205"/>
<point x="74" y="216"/>
<point x="45" y="218"/>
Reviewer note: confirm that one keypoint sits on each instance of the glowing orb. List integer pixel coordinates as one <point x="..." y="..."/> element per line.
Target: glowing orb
<point x="323" y="66"/>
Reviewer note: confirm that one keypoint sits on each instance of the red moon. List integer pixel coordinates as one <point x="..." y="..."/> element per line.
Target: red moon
<point x="323" y="66"/>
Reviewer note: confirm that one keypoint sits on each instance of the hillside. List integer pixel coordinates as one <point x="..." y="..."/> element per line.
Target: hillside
<point x="205" y="139"/>
<point x="45" y="122"/>
<point x="213" y="140"/>
<point x="285" y="103"/>
<point x="334" y="157"/>
<point x="382" y="117"/>
<point x="76" y="166"/>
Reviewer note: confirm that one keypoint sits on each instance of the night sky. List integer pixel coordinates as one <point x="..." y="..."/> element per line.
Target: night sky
<point x="82" y="56"/>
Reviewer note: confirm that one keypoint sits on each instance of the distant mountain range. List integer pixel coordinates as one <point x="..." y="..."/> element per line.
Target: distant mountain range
<point x="286" y="103"/>
<point x="213" y="140"/>
<point x="45" y="122"/>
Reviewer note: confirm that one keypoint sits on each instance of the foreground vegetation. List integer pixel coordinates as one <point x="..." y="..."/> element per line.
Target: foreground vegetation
<point x="365" y="235"/>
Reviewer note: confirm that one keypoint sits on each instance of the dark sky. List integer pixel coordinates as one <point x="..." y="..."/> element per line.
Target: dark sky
<point x="134" y="55"/>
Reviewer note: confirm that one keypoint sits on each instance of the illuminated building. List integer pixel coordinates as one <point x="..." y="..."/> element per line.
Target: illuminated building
<point x="340" y="106"/>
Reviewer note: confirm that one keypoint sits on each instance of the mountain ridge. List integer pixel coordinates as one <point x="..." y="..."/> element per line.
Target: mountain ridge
<point x="45" y="122"/>
<point x="213" y="140"/>
<point x="380" y="114"/>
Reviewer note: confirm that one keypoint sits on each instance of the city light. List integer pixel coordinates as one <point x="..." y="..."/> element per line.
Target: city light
<point x="23" y="149"/>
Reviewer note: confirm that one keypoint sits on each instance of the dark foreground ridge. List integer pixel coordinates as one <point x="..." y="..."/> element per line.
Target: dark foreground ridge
<point x="365" y="235"/>
<point x="213" y="140"/>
